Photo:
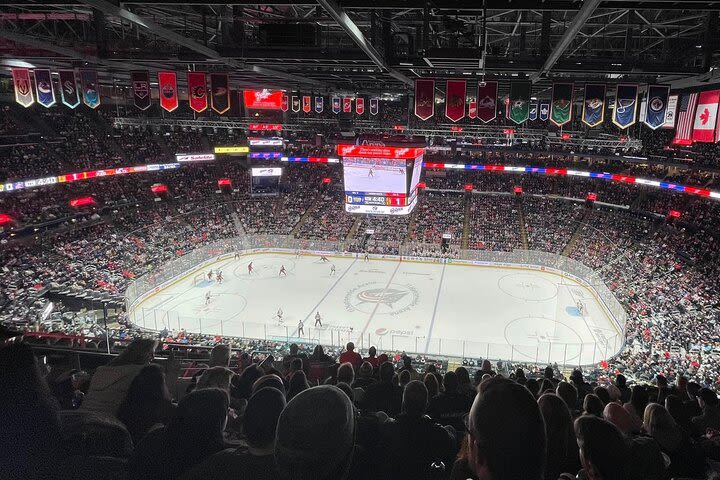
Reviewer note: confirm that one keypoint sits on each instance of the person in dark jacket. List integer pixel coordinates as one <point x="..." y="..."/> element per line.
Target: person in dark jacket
<point x="384" y="396"/>
<point x="450" y="406"/>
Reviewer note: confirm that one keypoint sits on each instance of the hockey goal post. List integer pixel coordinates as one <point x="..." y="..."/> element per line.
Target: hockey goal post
<point x="198" y="278"/>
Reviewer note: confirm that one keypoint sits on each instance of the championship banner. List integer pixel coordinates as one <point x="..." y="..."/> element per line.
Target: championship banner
<point x="167" y="85"/>
<point x="670" y="112"/>
<point x="44" y="88"/>
<point x="455" y="93"/>
<point x="68" y="89"/>
<point x="626" y="96"/>
<point x="219" y="92"/>
<point x="533" y="115"/>
<point x="197" y="91"/>
<point x="91" y="92"/>
<point x="336" y="105"/>
<point x="284" y="102"/>
<point x="23" y="87"/>
<point x="306" y="103"/>
<point x="593" y="112"/>
<point x="141" y="89"/>
<point x="424" y="98"/>
<point x="487" y="101"/>
<point x="295" y="104"/>
<point x="544" y="113"/>
<point x="472" y="109"/>
<point x="561" y="104"/>
<point x="657" y="103"/>
<point x="706" y="114"/>
<point x="319" y="104"/>
<point x="374" y="106"/>
<point x="360" y="105"/>
<point x="347" y="104"/>
<point x="519" y="101"/>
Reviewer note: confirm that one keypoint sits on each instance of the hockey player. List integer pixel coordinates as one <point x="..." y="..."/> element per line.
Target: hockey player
<point x="323" y="258"/>
<point x="282" y="271"/>
<point x="332" y="270"/>
<point x="210" y="275"/>
<point x="366" y="258"/>
<point x="279" y="316"/>
<point x="301" y="330"/>
<point x="318" y="320"/>
<point x="371" y="173"/>
<point x="207" y="298"/>
<point x="219" y="277"/>
<point x="250" y="268"/>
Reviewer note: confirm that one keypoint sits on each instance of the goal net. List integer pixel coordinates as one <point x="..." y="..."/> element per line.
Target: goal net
<point x="198" y="278"/>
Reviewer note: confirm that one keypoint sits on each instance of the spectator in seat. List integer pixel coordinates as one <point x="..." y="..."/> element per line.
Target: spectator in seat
<point x="298" y="383"/>
<point x="431" y="383"/>
<point x="465" y="386"/>
<point x="364" y="378"/>
<point x="254" y="459"/>
<point x="562" y="453"/>
<point x="506" y="433"/>
<point x="621" y="384"/>
<point x="351" y="356"/>
<point x="450" y="406"/>
<point x="384" y="396"/>
<point x="592" y="405"/>
<point x="412" y="442"/>
<point x="110" y="383"/>
<point x="346" y="373"/>
<point x="623" y="421"/>
<point x="216" y="377"/>
<point x="315" y="435"/>
<point x="407" y="365"/>
<point x="147" y="403"/>
<point x="195" y="433"/>
<point x="269" y="381"/>
<point x="372" y="358"/>
<point x="638" y="401"/>
<point x="569" y="393"/>
<point x="686" y="460"/>
<point x="710" y="418"/>
<point x="604" y="453"/>
<point x="319" y="356"/>
<point x="294" y="353"/>
<point x="219" y="357"/>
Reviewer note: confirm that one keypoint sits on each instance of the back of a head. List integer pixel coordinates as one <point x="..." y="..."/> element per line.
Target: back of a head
<point x="315" y="435"/>
<point x="202" y="411"/>
<point x="386" y="371"/>
<point x="294" y="349"/>
<point x="657" y="421"/>
<point x="415" y="399"/>
<point x="271" y="381"/>
<point x="618" y="416"/>
<point x="507" y="431"/>
<point x="432" y="385"/>
<point x="372" y="351"/>
<point x="404" y="377"/>
<point x="366" y="369"/>
<point x="603" y="448"/>
<point x="345" y="373"/>
<point x="219" y="356"/>
<point x="216" y="377"/>
<point x="559" y="433"/>
<point x="296" y="364"/>
<point x="592" y="405"/>
<point x="463" y="376"/>
<point x="261" y="416"/>
<point x="450" y="382"/>
<point x="146" y="392"/>
<point x="350" y="346"/>
<point x="708" y="397"/>
<point x="569" y="393"/>
<point x="138" y="352"/>
<point x="620" y="380"/>
<point x="548" y="373"/>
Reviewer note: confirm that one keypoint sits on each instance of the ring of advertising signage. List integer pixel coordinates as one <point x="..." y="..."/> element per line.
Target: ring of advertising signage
<point x="195" y="157"/>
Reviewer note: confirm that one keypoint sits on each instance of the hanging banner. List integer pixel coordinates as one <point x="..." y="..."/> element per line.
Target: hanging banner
<point x="141" y="89"/>
<point x="347" y="104"/>
<point x="656" y="107"/>
<point x="487" y="101"/>
<point x="263" y="99"/>
<point x="90" y="87"/>
<point x="626" y="96"/>
<point x="472" y="109"/>
<point x="68" y="89"/>
<point x="374" y="106"/>
<point x="197" y="91"/>
<point x="23" y="87"/>
<point x="219" y="92"/>
<point x="336" y="105"/>
<point x="561" y="103"/>
<point x="519" y="107"/>
<point x="295" y="104"/>
<point x="424" y="98"/>
<point x="670" y="112"/>
<point x="306" y="104"/>
<point x="455" y="93"/>
<point x="544" y="113"/>
<point x="643" y="109"/>
<point x="593" y="112"/>
<point x="284" y="102"/>
<point x="167" y="86"/>
<point x="319" y="104"/>
<point x="706" y="114"/>
<point x="533" y="115"/>
<point x="44" y="87"/>
<point x="360" y="105"/>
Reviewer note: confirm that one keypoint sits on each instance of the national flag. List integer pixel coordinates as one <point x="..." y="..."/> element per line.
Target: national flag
<point x="671" y="112"/>
<point x="197" y="91"/>
<point x="657" y="103"/>
<point x="141" y="89"/>
<point x="518" y="108"/>
<point x="90" y="87"/>
<point x="167" y="85"/>
<point x="23" y="87"/>
<point x="686" y="116"/>
<point x="626" y="96"/>
<point x="360" y="105"/>
<point x="219" y="92"/>
<point x="593" y="112"/>
<point x="424" y="98"/>
<point x="336" y="105"/>
<point x="319" y="104"/>
<point x="455" y="93"/>
<point x="306" y="103"/>
<point x="704" y="129"/>
<point x="68" y="89"/>
<point x="374" y="106"/>
<point x="44" y="88"/>
<point x="487" y="101"/>
<point x="295" y="104"/>
<point x="561" y="104"/>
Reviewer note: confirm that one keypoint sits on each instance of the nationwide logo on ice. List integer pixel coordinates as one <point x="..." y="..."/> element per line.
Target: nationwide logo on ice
<point x="390" y="299"/>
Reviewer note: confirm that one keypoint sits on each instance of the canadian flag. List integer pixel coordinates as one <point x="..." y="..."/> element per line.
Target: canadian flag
<point x="705" y="128"/>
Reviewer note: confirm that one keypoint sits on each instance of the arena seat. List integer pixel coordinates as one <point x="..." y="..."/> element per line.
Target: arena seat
<point x="91" y="434"/>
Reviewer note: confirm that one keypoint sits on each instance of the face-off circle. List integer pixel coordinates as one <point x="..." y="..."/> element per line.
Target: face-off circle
<point x="526" y="286"/>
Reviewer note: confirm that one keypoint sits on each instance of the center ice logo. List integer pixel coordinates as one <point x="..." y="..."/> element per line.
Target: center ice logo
<point x="384" y="299"/>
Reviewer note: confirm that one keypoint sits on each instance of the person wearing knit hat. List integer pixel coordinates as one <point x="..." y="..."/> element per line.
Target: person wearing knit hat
<point x="315" y="436"/>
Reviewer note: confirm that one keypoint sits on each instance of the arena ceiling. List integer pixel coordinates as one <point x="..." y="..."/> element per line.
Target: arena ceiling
<point x="372" y="46"/>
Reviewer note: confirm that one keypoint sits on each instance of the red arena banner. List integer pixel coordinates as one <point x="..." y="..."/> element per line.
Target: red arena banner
<point x="424" y="98"/>
<point x="263" y="99"/>
<point x="306" y="104"/>
<point x="472" y="109"/>
<point x="141" y="89"/>
<point x="360" y="105"/>
<point x="167" y="85"/>
<point x="371" y="151"/>
<point x="197" y="91"/>
<point x="455" y="93"/>
<point x="219" y="92"/>
<point x="23" y="87"/>
<point x="284" y="103"/>
<point x="347" y="104"/>
<point x="487" y="101"/>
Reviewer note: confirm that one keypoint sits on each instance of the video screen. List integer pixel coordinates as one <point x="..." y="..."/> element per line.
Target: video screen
<point x="374" y="175"/>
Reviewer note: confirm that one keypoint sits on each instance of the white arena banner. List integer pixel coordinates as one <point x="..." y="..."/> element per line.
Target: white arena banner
<point x="266" y="172"/>
<point x="195" y="157"/>
<point x="265" y="142"/>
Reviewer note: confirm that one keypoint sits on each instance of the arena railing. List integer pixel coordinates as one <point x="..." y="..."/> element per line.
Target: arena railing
<point x="197" y="262"/>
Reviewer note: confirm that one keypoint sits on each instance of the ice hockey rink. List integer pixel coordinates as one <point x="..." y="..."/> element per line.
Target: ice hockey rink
<point x="458" y="310"/>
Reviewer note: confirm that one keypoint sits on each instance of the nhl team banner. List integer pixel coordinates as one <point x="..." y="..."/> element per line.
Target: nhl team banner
<point x="544" y="111"/>
<point x="319" y="104"/>
<point x="347" y="104"/>
<point x="23" y="87"/>
<point x="284" y="102"/>
<point x="455" y="93"/>
<point x="306" y="103"/>
<point x="295" y="104"/>
<point x="197" y="91"/>
<point x="424" y="98"/>
<point x="68" y="89"/>
<point x="141" y="89"/>
<point x="91" y="89"/>
<point x="671" y="112"/>
<point x="533" y="111"/>
<point x="472" y="109"/>
<point x="593" y="113"/>
<point x="374" y="106"/>
<point x="336" y="105"/>
<point x="487" y="101"/>
<point x="656" y="106"/>
<point x="561" y="104"/>
<point x="706" y="114"/>
<point x="167" y="82"/>
<point x="219" y="92"/>
<point x="519" y="101"/>
<point x="626" y="96"/>
<point x="44" y="87"/>
<point x="360" y="105"/>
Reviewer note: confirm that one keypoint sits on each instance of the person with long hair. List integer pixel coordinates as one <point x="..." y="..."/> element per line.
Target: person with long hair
<point x="298" y="383"/>
<point x="686" y="460"/>
<point x="562" y="455"/>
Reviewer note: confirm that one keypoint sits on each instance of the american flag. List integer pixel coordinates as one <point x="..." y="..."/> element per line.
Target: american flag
<point x="686" y="118"/>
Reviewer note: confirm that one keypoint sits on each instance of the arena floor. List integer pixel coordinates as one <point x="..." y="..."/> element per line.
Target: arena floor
<point x="456" y="310"/>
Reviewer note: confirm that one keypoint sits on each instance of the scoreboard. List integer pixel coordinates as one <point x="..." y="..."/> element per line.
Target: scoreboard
<point x="379" y="179"/>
